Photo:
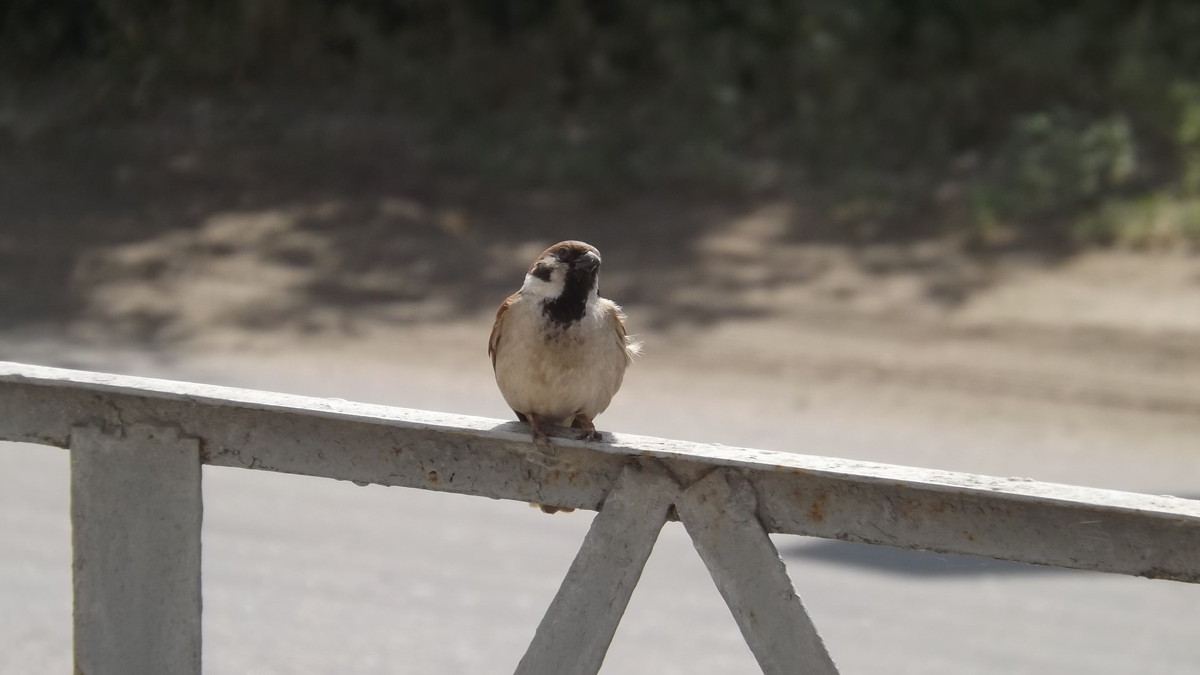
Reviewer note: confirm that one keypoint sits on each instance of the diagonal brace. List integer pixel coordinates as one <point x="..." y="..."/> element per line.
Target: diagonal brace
<point x="719" y="513"/>
<point x="577" y="629"/>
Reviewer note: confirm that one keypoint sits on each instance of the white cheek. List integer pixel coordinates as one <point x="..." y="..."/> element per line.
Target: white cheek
<point x="536" y="287"/>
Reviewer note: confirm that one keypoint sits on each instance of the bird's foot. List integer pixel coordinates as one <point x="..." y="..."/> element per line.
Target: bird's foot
<point x="537" y="431"/>
<point x="587" y="430"/>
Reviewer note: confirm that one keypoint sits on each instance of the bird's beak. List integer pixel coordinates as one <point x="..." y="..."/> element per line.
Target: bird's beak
<point x="588" y="262"/>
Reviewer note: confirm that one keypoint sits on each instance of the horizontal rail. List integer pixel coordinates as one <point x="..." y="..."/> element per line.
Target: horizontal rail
<point x="1005" y="518"/>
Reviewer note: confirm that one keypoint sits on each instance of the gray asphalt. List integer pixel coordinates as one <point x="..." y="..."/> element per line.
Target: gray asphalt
<point x="306" y="575"/>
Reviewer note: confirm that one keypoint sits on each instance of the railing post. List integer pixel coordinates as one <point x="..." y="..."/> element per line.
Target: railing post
<point x="135" y="517"/>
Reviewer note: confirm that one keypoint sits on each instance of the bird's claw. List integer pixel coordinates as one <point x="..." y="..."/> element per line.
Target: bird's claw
<point x="587" y="430"/>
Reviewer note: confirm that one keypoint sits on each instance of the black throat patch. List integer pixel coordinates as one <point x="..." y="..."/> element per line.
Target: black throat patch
<point x="570" y="306"/>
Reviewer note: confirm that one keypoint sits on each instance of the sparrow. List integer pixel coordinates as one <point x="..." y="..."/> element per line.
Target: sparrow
<point x="559" y="351"/>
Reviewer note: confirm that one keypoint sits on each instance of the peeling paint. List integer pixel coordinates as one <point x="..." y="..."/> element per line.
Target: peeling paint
<point x="816" y="511"/>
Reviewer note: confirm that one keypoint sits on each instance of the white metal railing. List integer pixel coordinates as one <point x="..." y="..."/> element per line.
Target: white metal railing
<point x="137" y="446"/>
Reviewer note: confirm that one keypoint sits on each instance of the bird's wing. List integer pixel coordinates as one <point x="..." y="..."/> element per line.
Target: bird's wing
<point x="494" y="340"/>
<point x="630" y="345"/>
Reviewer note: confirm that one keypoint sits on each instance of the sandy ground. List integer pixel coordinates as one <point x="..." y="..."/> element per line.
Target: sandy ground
<point x="360" y="280"/>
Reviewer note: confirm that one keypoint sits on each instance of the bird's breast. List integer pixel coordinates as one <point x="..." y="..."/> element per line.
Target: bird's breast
<point x="559" y="369"/>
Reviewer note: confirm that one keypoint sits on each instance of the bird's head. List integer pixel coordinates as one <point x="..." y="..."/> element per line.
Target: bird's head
<point x="566" y="277"/>
<point x="567" y="265"/>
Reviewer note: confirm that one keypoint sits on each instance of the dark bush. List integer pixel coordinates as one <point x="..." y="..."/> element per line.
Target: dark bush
<point x="1036" y="114"/>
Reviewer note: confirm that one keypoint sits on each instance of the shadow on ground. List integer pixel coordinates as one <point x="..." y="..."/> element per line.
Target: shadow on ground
<point x="155" y="230"/>
<point x="904" y="562"/>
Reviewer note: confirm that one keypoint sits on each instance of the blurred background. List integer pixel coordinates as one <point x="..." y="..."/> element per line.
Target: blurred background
<point x="953" y="235"/>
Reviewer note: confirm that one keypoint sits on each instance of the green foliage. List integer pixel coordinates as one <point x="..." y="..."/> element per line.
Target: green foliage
<point x="1188" y="136"/>
<point x="1044" y="115"/>
<point x="1054" y="161"/>
<point x="1157" y="221"/>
